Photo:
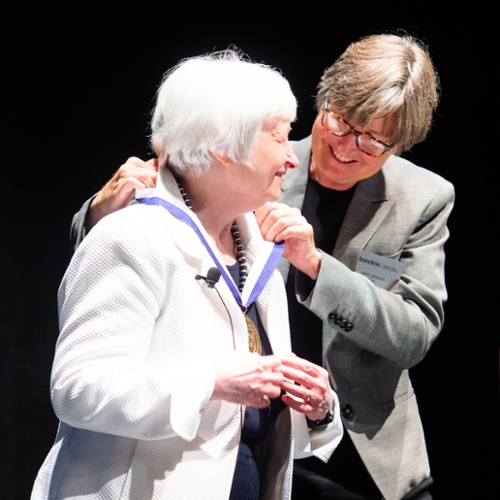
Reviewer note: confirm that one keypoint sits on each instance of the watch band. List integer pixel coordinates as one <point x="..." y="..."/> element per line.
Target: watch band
<point x="317" y="425"/>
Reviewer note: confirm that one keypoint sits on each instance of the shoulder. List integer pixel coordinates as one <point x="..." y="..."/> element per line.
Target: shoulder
<point x="405" y="182"/>
<point x="133" y="236"/>
<point x="136" y="222"/>
<point x="400" y="173"/>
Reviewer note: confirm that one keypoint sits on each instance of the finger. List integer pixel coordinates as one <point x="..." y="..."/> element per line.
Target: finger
<point x="261" y="213"/>
<point x="288" y="228"/>
<point x="154" y="163"/>
<point x="132" y="183"/>
<point x="314" y="413"/>
<point x="147" y="177"/>
<point x="304" y="375"/>
<point x="310" y="389"/>
<point x="271" y="391"/>
<point x="287" y="225"/>
<point x="266" y="216"/>
<point x="299" y="392"/>
<point x="262" y="402"/>
<point x="293" y="361"/>
<point x="129" y="179"/>
<point x="269" y="213"/>
<point x="271" y="362"/>
<point x="295" y="405"/>
<point x="137" y="162"/>
<point x="275" y="213"/>
<point x="261" y="397"/>
<point x="265" y="381"/>
<point x="294" y="376"/>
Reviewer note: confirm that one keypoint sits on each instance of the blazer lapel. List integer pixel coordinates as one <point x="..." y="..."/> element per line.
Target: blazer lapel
<point x="368" y="208"/>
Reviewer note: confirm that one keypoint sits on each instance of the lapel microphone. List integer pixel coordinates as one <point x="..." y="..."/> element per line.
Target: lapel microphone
<point x="212" y="277"/>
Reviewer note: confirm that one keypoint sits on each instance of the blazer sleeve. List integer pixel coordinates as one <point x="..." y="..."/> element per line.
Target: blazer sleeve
<point x="78" y="230"/>
<point x="103" y="378"/>
<point x="398" y="324"/>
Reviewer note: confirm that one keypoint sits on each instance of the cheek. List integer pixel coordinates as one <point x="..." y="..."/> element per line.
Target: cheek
<point x="373" y="166"/>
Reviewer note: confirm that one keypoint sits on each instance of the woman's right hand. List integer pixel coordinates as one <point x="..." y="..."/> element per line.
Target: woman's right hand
<point x="248" y="379"/>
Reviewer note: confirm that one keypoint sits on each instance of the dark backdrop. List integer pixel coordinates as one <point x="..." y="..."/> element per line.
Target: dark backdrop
<point x="77" y="85"/>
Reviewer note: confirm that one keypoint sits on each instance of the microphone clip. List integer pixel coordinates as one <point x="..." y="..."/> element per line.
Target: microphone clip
<point x="212" y="277"/>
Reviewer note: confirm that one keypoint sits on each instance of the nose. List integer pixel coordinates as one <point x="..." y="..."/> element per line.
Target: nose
<point x="291" y="159"/>
<point x="347" y="145"/>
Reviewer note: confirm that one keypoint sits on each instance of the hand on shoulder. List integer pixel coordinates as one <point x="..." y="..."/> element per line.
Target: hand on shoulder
<point x="119" y="190"/>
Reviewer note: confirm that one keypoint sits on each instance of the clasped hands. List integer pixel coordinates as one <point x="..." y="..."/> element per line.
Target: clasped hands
<point x="254" y="380"/>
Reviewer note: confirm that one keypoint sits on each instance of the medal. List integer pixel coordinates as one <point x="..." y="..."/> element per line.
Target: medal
<point x="254" y="344"/>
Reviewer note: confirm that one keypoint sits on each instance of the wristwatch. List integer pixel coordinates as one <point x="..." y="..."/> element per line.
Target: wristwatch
<point x="317" y="425"/>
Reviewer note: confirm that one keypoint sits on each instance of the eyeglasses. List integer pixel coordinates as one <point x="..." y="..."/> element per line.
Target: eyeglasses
<point x="337" y="126"/>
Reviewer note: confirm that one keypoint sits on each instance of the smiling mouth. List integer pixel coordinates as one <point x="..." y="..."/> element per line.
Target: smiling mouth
<point x="341" y="158"/>
<point x="279" y="174"/>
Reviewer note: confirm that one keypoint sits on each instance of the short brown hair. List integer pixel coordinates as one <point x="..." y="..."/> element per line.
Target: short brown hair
<point x="383" y="75"/>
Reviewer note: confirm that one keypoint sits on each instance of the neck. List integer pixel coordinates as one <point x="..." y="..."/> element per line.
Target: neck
<point x="214" y="212"/>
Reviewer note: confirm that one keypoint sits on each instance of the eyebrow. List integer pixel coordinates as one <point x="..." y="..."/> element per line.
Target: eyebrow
<point x="276" y="131"/>
<point x="383" y="138"/>
<point x="378" y="136"/>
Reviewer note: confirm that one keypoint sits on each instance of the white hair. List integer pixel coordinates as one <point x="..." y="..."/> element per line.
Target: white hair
<point x="215" y="105"/>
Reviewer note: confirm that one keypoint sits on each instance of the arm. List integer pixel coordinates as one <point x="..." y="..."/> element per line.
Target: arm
<point x="115" y="195"/>
<point x="79" y="225"/>
<point x="109" y="300"/>
<point x="400" y="324"/>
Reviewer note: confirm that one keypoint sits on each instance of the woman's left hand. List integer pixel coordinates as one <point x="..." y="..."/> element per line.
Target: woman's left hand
<point x="313" y="396"/>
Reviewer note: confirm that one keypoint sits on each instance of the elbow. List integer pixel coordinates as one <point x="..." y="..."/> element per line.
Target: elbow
<point x="416" y="345"/>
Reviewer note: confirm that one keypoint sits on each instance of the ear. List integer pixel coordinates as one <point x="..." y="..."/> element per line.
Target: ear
<point x="225" y="161"/>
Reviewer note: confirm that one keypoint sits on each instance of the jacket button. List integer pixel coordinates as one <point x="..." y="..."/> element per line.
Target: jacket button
<point x="332" y="318"/>
<point x="348" y="327"/>
<point x="347" y="412"/>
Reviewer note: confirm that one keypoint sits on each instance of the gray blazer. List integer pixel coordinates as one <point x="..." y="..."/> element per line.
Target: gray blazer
<point x="371" y="336"/>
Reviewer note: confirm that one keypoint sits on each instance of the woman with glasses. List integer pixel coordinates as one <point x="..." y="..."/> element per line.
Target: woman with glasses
<point x="370" y="303"/>
<point x="173" y="376"/>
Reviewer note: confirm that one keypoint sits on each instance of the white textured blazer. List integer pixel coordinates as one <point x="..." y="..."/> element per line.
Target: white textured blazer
<point x="134" y="368"/>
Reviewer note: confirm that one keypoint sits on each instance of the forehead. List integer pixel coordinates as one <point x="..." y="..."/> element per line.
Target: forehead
<point x="276" y="126"/>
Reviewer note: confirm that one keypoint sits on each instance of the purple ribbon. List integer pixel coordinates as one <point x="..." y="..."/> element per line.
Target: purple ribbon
<point x="267" y="270"/>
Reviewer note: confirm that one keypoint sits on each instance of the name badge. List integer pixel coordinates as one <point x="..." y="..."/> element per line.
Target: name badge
<point x="381" y="271"/>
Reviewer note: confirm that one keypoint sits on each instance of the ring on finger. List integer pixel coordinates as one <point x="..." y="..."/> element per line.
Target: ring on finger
<point x="309" y="396"/>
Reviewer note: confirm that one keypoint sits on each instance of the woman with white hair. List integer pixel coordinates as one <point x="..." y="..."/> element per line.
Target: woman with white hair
<point x="153" y="382"/>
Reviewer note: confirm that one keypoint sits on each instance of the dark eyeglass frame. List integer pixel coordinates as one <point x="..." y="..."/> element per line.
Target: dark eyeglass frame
<point x="351" y="130"/>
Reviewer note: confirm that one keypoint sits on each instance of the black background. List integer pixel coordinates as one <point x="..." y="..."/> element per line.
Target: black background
<point x="77" y="84"/>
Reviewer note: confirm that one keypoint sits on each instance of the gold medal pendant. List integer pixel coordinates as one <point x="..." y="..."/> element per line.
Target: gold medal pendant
<point x="254" y="344"/>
